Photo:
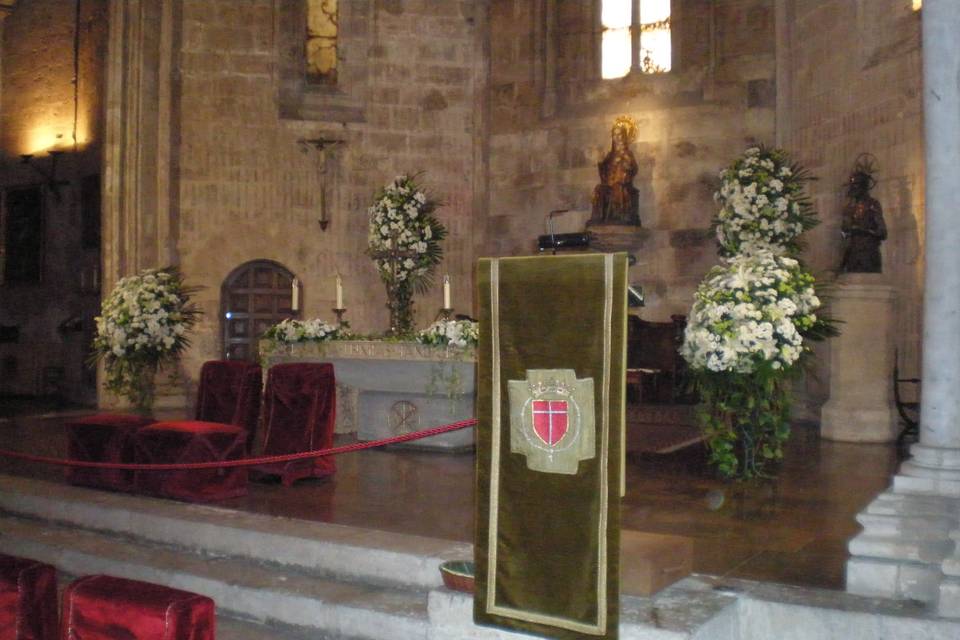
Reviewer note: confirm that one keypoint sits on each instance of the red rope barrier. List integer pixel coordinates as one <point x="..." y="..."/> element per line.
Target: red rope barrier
<point x="245" y="462"/>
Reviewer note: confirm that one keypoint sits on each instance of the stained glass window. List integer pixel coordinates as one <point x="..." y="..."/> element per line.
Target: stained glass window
<point x="655" y="47"/>
<point x="636" y="34"/>
<point x="616" y="18"/>
<point x="321" y="45"/>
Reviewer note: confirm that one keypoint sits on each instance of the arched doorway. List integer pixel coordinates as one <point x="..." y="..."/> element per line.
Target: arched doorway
<point x="255" y="296"/>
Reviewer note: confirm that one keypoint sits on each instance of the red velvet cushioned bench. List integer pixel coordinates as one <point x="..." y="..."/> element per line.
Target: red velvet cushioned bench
<point x="103" y="437"/>
<point x="28" y="599"/>
<point x="108" y="608"/>
<point x="186" y="441"/>
<point x="229" y="393"/>
<point x="299" y="410"/>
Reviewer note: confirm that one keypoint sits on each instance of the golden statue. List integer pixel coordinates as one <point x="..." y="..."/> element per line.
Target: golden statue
<point x="615" y="199"/>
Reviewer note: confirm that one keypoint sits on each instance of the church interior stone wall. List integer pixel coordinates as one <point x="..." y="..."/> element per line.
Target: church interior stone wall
<point x="851" y="79"/>
<point x="548" y="133"/>
<point x="249" y="191"/>
<point x="500" y="105"/>
<point x="42" y="108"/>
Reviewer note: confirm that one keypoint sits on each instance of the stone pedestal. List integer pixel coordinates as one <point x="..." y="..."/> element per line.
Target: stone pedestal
<point x="616" y="237"/>
<point x="861" y="406"/>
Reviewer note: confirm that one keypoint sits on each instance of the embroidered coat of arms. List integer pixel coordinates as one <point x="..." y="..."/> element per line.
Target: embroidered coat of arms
<point x="552" y="420"/>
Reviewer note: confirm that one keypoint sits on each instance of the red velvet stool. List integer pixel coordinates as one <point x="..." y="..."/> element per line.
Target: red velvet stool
<point x="104" y="437"/>
<point x="108" y="608"/>
<point x="28" y="599"/>
<point x="299" y="410"/>
<point x="184" y="441"/>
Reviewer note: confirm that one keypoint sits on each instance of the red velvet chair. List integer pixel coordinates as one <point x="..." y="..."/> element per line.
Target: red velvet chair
<point x="103" y="437"/>
<point x="230" y="393"/>
<point x="28" y="599"/>
<point x="108" y="608"/>
<point x="184" y="441"/>
<point x="299" y="409"/>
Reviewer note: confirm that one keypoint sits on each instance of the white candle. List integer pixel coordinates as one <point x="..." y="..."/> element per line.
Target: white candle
<point x="446" y="292"/>
<point x="295" y="295"/>
<point x="339" y="292"/>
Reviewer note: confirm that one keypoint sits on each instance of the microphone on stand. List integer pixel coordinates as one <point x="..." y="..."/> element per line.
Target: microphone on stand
<point x="553" y="240"/>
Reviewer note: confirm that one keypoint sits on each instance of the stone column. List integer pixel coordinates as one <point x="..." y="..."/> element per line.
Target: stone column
<point x="908" y="546"/>
<point x="140" y="225"/>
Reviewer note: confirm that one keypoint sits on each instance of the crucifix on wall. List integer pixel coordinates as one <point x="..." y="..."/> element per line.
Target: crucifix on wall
<point x="322" y="145"/>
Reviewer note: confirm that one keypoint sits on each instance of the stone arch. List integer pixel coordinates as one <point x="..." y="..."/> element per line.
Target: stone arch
<point x="255" y="296"/>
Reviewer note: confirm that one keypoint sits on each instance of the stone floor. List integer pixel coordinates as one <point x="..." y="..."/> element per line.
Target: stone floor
<point x="793" y="531"/>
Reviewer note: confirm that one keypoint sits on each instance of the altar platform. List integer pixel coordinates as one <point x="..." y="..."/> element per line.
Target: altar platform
<point x="795" y="534"/>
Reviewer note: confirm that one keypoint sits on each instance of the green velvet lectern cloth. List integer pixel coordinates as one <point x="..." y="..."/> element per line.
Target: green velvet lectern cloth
<point x="550" y="407"/>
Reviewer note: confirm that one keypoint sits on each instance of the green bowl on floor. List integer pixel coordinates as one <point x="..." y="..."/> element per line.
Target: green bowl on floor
<point x="457" y="575"/>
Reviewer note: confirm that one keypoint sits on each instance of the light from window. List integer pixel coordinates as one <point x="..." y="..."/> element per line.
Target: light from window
<point x="652" y="37"/>
<point x="615" y="50"/>
<point x="655" y="49"/>
<point x="321" y="45"/>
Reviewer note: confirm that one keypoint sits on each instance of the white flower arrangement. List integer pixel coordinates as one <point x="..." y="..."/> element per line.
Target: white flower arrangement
<point x="751" y="312"/>
<point x="454" y="333"/>
<point x="763" y="207"/>
<point x="143" y="323"/>
<point x="401" y="220"/>
<point x="291" y="331"/>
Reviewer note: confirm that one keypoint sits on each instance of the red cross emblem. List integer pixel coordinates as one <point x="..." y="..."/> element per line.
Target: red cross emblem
<point x="550" y="420"/>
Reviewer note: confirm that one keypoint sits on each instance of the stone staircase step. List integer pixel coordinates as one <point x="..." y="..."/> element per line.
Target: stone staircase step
<point x="340" y="551"/>
<point x="253" y="590"/>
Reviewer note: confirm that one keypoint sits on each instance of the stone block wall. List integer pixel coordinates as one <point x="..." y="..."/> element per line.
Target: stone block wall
<point x="851" y="79"/>
<point x="248" y="190"/>
<point x="551" y="116"/>
<point x="40" y="112"/>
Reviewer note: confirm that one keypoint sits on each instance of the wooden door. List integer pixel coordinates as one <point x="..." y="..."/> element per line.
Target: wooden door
<point x="256" y="296"/>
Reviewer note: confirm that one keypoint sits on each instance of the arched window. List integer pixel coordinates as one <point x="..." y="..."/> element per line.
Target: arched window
<point x="635" y="36"/>
<point x="255" y="296"/>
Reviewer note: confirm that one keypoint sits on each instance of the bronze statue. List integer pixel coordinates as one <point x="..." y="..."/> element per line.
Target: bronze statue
<point x="615" y="199"/>
<point x="862" y="228"/>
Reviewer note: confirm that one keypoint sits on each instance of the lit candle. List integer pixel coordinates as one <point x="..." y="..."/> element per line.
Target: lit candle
<point x="446" y="292"/>
<point x="339" y="292"/>
<point x="295" y="295"/>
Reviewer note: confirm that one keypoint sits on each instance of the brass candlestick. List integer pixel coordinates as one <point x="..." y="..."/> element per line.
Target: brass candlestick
<point x="339" y="313"/>
<point x="445" y="313"/>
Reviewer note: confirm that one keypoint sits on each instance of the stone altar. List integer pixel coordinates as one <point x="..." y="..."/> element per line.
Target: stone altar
<point x="391" y="388"/>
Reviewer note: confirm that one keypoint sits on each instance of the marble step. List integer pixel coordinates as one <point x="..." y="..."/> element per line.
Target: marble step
<point x="255" y="591"/>
<point x="350" y="553"/>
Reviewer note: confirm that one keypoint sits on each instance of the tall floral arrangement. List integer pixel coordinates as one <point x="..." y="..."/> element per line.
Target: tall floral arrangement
<point x="144" y="324"/>
<point x="754" y="314"/>
<point x="404" y="242"/>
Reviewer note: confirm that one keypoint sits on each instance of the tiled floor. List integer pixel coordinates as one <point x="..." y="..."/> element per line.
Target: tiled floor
<point x="793" y="531"/>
